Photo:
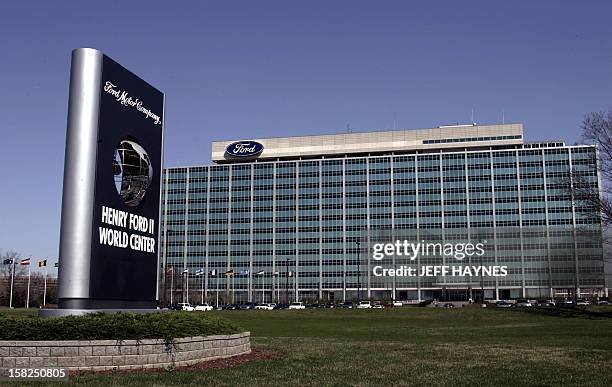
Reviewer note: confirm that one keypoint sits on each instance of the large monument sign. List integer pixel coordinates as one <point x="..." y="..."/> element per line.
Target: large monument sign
<point x="110" y="207"/>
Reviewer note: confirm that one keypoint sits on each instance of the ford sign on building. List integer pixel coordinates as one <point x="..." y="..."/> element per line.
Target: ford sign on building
<point x="244" y="149"/>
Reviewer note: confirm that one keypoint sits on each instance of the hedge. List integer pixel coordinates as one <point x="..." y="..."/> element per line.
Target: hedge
<point x="115" y="326"/>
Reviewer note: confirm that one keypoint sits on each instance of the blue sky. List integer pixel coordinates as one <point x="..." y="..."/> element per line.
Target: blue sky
<point x="246" y="69"/>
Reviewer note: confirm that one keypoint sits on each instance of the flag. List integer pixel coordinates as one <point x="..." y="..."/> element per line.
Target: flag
<point x="261" y="272"/>
<point x="289" y="274"/>
<point x="25" y="261"/>
<point x="244" y="272"/>
<point x="229" y="272"/>
<point x="213" y="272"/>
<point x="8" y="262"/>
<point x="42" y="263"/>
<point x="56" y="264"/>
<point x="199" y="272"/>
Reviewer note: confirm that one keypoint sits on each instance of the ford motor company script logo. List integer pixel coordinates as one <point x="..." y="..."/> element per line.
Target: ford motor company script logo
<point x="244" y="149"/>
<point x="125" y="99"/>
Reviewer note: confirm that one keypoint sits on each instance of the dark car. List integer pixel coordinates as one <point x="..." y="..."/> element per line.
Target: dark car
<point x="246" y="306"/>
<point x="281" y="306"/>
<point x="230" y="307"/>
<point x="546" y="303"/>
<point x="346" y="305"/>
<point x="315" y="306"/>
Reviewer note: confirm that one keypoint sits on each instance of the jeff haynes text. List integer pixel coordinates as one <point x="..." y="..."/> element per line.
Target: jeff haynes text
<point x="441" y="270"/>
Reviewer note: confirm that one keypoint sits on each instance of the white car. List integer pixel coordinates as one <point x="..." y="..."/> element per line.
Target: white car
<point x="503" y="304"/>
<point x="264" y="306"/>
<point x="203" y="307"/>
<point x="398" y="303"/>
<point x="364" y="305"/>
<point x="186" y="306"/>
<point x="297" y="305"/>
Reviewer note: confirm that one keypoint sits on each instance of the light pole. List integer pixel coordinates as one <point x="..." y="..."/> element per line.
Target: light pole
<point x="358" y="274"/>
<point x="185" y="291"/>
<point x="263" y="292"/>
<point x="287" y="281"/>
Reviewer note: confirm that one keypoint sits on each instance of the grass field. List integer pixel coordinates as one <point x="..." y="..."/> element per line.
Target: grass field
<point x="411" y="346"/>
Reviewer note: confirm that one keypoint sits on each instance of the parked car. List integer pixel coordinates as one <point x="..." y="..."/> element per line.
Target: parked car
<point x="545" y="303"/>
<point x="397" y="303"/>
<point x="297" y="305"/>
<point x="523" y="303"/>
<point x="330" y="305"/>
<point x="264" y="307"/>
<point x="377" y="305"/>
<point x="603" y="302"/>
<point x="449" y="305"/>
<point x="186" y="306"/>
<point x="230" y="307"/>
<point x="203" y="307"/>
<point x="364" y="305"/>
<point x="174" y="307"/>
<point x="346" y="305"/>
<point x="582" y="302"/>
<point x="503" y="304"/>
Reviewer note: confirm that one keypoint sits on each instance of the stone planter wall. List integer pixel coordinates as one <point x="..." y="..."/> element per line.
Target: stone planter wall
<point x="98" y="355"/>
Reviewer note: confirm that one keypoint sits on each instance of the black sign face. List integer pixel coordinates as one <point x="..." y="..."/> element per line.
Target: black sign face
<point x="127" y="186"/>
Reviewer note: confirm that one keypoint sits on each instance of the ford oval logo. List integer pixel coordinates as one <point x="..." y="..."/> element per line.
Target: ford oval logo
<point x="244" y="149"/>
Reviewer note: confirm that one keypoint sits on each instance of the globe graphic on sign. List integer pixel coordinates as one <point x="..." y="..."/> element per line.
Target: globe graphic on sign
<point x="133" y="171"/>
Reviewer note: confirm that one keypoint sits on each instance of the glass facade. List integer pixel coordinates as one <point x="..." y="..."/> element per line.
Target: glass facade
<point x="301" y="230"/>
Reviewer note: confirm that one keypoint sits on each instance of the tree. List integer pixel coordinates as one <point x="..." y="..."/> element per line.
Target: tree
<point x="597" y="129"/>
<point x="593" y="199"/>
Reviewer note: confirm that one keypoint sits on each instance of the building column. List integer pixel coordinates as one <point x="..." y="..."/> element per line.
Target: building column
<point x="344" y="230"/>
<point x="494" y="207"/>
<point x="185" y="276"/>
<point x="251" y="238"/>
<point x="206" y="253"/>
<point x="520" y="208"/>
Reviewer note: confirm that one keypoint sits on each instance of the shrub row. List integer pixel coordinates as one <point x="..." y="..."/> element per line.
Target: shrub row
<point x="114" y="326"/>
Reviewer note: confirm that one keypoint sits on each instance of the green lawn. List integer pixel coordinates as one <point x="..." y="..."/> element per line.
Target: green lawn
<point x="411" y="346"/>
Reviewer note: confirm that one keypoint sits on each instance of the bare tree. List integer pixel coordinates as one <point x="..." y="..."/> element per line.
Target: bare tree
<point x="597" y="129"/>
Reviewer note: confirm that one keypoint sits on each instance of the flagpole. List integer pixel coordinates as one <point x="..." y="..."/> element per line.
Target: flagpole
<point x="263" y="294"/>
<point x="28" y="295"/>
<point x="203" y="285"/>
<point x="12" y="279"/>
<point x="45" y="291"/>
<point x="187" y="276"/>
